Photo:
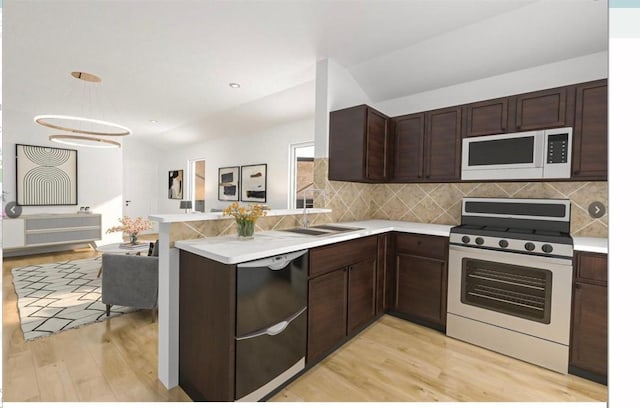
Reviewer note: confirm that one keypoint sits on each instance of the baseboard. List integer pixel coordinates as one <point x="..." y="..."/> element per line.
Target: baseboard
<point x="599" y="378"/>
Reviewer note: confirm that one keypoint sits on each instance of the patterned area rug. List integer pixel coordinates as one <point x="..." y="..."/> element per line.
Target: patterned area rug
<point x="60" y="296"/>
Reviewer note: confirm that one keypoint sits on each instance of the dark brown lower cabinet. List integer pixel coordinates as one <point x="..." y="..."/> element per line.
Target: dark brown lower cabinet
<point x="341" y="303"/>
<point x="327" y="313"/>
<point x="421" y="278"/>
<point x="384" y="274"/>
<point x="207" y="328"/>
<point x="589" y="326"/>
<point x="361" y="308"/>
<point x="342" y="299"/>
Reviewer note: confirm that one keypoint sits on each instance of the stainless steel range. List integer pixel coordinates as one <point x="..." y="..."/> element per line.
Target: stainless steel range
<point x="510" y="272"/>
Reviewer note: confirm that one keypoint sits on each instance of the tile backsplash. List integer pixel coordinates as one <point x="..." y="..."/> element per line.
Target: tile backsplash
<point x="440" y="203"/>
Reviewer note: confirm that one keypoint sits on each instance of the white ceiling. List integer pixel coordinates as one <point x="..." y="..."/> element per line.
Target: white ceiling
<point x="172" y="61"/>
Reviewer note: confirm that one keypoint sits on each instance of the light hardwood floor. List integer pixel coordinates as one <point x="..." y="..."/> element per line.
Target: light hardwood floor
<point x="392" y="360"/>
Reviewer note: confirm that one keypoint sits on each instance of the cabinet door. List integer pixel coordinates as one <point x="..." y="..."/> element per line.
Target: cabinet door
<point x="377" y="150"/>
<point x="362" y="308"/>
<point x="346" y="143"/>
<point x="327" y="313"/>
<point x="589" y="328"/>
<point x="544" y="109"/>
<point x="443" y="144"/>
<point x="590" y="132"/>
<point x="487" y="117"/>
<point x="421" y="288"/>
<point x="384" y="274"/>
<point x="409" y="147"/>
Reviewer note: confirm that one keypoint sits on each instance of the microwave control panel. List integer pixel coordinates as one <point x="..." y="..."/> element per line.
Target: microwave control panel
<point x="558" y="148"/>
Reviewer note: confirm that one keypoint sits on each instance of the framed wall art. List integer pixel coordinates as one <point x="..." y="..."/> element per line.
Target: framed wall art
<point x="229" y="183"/>
<point x="253" y="183"/>
<point x="176" y="184"/>
<point x="46" y="175"/>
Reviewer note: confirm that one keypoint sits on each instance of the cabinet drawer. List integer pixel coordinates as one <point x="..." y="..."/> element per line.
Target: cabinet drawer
<point x="591" y="267"/>
<point x="423" y="245"/>
<point x="42" y="223"/>
<point x="336" y="256"/>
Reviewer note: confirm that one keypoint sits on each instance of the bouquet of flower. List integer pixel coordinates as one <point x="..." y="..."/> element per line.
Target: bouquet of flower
<point x="245" y="217"/>
<point x="131" y="226"/>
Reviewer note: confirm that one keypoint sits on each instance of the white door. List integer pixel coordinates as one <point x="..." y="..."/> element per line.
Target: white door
<point x="140" y="197"/>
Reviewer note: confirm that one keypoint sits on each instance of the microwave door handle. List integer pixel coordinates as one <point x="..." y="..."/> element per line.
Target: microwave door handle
<point x="539" y="151"/>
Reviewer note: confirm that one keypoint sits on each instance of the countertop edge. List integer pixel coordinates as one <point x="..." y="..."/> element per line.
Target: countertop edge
<point x="590" y="244"/>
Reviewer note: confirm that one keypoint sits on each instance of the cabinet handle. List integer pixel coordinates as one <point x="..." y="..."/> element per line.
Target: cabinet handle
<point x="578" y="285"/>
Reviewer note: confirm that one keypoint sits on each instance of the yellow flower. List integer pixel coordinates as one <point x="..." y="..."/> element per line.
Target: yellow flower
<point x="243" y="214"/>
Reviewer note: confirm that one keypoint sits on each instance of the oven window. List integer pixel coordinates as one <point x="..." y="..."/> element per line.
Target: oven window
<point x="510" y="289"/>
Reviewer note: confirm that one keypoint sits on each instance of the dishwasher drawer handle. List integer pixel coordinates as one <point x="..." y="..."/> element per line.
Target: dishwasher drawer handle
<point x="275" y="263"/>
<point x="275" y="329"/>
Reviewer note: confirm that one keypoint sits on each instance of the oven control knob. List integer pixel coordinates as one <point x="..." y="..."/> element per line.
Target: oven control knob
<point x="503" y="243"/>
<point x="479" y="241"/>
<point x="465" y="239"/>
<point x="546" y="248"/>
<point x="529" y="246"/>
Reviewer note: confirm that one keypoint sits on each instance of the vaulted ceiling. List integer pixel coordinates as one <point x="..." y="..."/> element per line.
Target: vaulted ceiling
<point x="172" y="61"/>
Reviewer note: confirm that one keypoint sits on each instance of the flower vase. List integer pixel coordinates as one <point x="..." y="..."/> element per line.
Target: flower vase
<point x="133" y="239"/>
<point x="245" y="229"/>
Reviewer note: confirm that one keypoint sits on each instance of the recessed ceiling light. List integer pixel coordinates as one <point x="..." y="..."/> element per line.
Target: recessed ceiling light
<point x="234" y="85"/>
<point x="153" y="121"/>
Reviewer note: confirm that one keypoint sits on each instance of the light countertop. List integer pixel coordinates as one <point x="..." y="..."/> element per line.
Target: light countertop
<point x="588" y="244"/>
<point x="218" y="215"/>
<point x="230" y="250"/>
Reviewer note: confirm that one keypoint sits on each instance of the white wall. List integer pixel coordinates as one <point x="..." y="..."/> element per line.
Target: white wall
<point x="570" y="71"/>
<point x="335" y="89"/>
<point x="270" y="146"/>
<point x="99" y="171"/>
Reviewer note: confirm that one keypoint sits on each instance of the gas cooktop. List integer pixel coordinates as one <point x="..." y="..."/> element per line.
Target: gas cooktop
<point x="531" y="226"/>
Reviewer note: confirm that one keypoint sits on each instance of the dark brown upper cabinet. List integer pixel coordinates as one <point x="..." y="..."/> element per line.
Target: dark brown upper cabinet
<point x="359" y="145"/>
<point x="409" y="138"/>
<point x="544" y="109"/>
<point x="487" y="117"/>
<point x="366" y="146"/>
<point x="590" y="132"/>
<point x="427" y="146"/>
<point x="442" y="155"/>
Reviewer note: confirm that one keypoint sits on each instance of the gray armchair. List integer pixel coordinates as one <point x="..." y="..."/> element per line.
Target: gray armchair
<point x="130" y="280"/>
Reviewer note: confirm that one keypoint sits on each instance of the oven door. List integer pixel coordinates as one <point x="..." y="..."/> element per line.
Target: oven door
<point x="529" y="294"/>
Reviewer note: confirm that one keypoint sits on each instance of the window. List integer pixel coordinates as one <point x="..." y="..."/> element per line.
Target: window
<point x="301" y="174"/>
<point x="196" y="184"/>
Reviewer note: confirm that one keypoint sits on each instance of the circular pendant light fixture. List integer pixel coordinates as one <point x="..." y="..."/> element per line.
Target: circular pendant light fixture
<point x="85" y="141"/>
<point x="83" y="125"/>
<point x="110" y="128"/>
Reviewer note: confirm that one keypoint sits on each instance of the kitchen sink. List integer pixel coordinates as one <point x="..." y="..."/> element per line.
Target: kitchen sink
<point x="337" y="228"/>
<point x="322" y="229"/>
<point x="309" y="231"/>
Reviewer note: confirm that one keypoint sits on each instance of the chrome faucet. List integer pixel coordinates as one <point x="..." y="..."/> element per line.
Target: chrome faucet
<point x="305" y="222"/>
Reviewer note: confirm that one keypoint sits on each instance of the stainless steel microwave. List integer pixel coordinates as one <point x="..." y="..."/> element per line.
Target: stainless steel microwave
<point x="537" y="154"/>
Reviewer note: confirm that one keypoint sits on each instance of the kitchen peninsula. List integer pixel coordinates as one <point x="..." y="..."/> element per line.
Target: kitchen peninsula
<point x="424" y="243"/>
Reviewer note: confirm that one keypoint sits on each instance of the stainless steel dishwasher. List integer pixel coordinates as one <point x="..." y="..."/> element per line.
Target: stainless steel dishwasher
<point x="271" y="323"/>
